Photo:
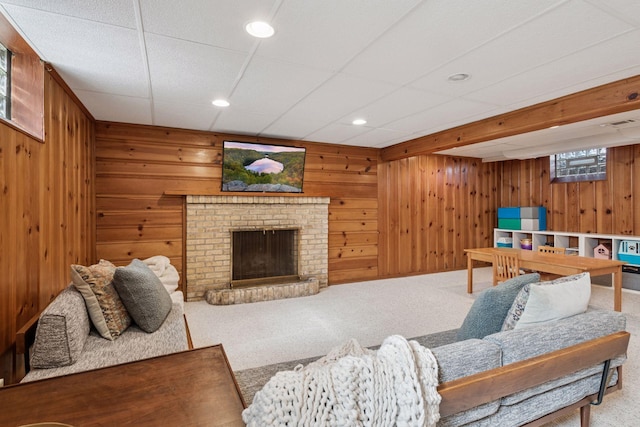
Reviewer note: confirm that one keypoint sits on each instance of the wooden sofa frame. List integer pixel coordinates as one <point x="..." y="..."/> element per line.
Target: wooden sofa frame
<point x="484" y="387"/>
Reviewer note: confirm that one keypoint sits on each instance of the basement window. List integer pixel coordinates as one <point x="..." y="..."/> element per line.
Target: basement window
<point x="580" y="165"/>
<point x="5" y="82"/>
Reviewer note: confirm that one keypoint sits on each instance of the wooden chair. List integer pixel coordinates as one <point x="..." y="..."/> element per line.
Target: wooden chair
<point x="551" y="250"/>
<point x="545" y="277"/>
<point x="505" y="266"/>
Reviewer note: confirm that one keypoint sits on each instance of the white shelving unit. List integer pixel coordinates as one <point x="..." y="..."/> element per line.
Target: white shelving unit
<point x="581" y="244"/>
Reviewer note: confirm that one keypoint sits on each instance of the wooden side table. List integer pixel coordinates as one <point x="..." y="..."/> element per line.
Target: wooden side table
<point x="194" y="387"/>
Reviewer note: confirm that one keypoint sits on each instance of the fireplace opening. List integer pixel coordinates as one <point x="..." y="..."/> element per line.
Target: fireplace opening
<point x="264" y="257"/>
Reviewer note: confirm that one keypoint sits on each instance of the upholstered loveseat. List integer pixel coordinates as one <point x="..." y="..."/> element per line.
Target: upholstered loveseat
<point x="491" y="373"/>
<point x="88" y="327"/>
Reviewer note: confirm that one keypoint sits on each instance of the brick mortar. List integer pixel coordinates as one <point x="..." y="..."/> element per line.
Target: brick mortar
<point x="211" y="219"/>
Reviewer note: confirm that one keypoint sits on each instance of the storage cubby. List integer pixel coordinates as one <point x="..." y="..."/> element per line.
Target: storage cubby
<point x="582" y="244"/>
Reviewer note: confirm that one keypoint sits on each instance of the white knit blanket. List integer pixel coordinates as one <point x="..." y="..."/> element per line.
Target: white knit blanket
<point x="353" y="386"/>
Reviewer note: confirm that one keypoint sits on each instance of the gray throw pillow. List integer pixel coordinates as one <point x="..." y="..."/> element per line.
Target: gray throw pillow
<point x="143" y="294"/>
<point x="62" y="330"/>
<point x="490" y="308"/>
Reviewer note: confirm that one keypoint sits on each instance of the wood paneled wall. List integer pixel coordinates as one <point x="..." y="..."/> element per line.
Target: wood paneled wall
<point x="47" y="207"/>
<point x="136" y="166"/>
<point x="606" y="207"/>
<point x="431" y="208"/>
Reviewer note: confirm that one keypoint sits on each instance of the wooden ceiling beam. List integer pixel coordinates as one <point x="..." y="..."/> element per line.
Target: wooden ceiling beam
<point x="617" y="97"/>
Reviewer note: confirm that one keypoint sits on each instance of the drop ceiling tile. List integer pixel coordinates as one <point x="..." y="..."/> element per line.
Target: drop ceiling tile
<point x="571" y="27"/>
<point x="190" y="73"/>
<point x="216" y="23"/>
<point x="443" y="117"/>
<point x="336" y="133"/>
<point x="116" y="108"/>
<point x="238" y="121"/>
<point x="398" y="104"/>
<point x="184" y="116"/>
<point x="88" y="55"/>
<point x="628" y="10"/>
<point x="273" y="86"/>
<point x="114" y="12"/>
<point x="438" y="32"/>
<point x="377" y="138"/>
<point x="559" y="78"/>
<point x="326" y="34"/>
<point x="296" y="128"/>
<point x="339" y="96"/>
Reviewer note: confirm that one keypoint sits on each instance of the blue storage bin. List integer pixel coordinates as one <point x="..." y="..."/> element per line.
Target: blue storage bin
<point x="509" y="213"/>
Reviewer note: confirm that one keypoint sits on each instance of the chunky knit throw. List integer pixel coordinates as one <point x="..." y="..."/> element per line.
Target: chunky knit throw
<point x="354" y="386"/>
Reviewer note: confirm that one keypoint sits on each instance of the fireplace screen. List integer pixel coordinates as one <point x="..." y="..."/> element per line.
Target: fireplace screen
<point x="259" y="256"/>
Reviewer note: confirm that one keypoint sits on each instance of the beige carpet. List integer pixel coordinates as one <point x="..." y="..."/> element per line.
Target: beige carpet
<point x="278" y="331"/>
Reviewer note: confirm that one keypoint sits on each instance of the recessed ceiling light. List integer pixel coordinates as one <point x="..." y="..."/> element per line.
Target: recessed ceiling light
<point x="459" y="77"/>
<point x="220" y="103"/>
<point x="359" y="122"/>
<point x="260" y="29"/>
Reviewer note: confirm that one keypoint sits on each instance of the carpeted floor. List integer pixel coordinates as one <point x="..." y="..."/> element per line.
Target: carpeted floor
<point x="267" y="333"/>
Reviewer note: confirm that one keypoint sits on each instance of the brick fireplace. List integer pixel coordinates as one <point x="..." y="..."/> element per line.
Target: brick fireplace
<point x="211" y="222"/>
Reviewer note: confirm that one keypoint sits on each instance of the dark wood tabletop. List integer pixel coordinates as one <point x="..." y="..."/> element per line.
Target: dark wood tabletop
<point x="190" y="388"/>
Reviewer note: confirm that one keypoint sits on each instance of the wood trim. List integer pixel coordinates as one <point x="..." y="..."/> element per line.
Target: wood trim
<point x="49" y="68"/>
<point x="475" y="390"/>
<point x="616" y="97"/>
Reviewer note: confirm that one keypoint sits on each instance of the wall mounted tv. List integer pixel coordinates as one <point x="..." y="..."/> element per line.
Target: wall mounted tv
<point x="264" y="168"/>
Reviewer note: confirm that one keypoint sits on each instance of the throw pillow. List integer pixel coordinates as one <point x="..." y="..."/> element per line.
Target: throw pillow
<point x="143" y="294"/>
<point x="516" y="308"/>
<point x="556" y="300"/>
<point x="63" y="328"/>
<point x="107" y="313"/>
<point x="491" y="306"/>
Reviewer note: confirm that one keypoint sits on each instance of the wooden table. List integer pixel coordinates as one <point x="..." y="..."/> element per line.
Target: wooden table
<point x="563" y="265"/>
<point x="190" y="388"/>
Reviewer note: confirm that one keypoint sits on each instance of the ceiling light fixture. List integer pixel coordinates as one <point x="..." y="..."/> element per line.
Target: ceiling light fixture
<point x="260" y="29"/>
<point x="359" y="122"/>
<point x="220" y="103"/>
<point x="459" y="77"/>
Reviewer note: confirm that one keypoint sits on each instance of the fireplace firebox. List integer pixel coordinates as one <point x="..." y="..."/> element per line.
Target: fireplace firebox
<point x="264" y="256"/>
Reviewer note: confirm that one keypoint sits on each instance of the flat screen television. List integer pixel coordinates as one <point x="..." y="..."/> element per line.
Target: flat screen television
<point x="264" y="168"/>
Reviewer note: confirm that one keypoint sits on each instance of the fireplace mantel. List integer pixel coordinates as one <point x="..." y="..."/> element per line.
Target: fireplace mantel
<point x="212" y="218"/>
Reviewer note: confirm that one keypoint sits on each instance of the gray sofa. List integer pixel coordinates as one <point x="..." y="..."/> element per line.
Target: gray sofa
<point x="66" y="343"/>
<point x="491" y="376"/>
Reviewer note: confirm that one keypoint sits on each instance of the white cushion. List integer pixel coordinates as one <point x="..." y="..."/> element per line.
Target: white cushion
<point x="556" y="300"/>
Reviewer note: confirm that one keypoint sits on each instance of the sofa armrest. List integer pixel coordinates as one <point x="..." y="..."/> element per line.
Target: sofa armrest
<point x="25" y="336"/>
<point x="475" y="390"/>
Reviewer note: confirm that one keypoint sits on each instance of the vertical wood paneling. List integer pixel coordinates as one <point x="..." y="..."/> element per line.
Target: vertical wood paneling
<point x="452" y="203"/>
<point x="142" y="163"/>
<point x="605" y="207"/>
<point x="47" y="205"/>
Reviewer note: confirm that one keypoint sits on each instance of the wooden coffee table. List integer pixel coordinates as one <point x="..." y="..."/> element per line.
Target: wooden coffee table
<point x="194" y="387"/>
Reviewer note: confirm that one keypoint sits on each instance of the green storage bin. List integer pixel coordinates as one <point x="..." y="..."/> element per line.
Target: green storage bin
<point x="509" y="223"/>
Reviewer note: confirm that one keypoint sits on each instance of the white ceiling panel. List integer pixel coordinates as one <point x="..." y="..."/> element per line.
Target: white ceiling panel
<point x="555" y="77"/>
<point x="89" y="56"/>
<point x="162" y="62"/>
<point x="573" y="26"/>
<point x="172" y="63"/>
<point x="273" y="86"/>
<point x="314" y="33"/>
<point x="113" y="12"/>
<point x="185" y="116"/>
<point x="339" y="96"/>
<point x="117" y="108"/>
<point x="214" y="22"/>
<point x="442" y="116"/>
<point x="245" y="122"/>
<point x="438" y="32"/>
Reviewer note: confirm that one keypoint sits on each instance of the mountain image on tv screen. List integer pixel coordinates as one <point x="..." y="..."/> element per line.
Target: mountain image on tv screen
<point x="255" y="167"/>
